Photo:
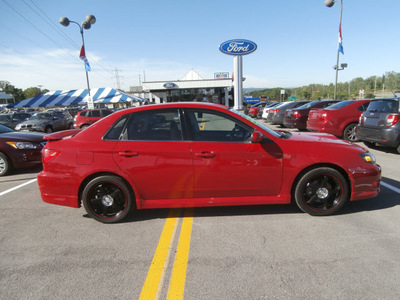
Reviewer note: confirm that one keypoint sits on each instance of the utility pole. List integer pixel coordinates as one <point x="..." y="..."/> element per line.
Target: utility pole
<point x="117" y="77"/>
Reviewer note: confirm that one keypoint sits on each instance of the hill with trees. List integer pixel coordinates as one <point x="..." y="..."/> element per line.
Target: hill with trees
<point x="372" y="86"/>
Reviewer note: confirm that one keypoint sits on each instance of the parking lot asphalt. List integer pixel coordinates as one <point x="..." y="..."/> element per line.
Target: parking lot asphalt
<point x="250" y="252"/>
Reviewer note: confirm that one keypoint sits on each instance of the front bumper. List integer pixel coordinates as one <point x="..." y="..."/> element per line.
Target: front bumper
<point x="366" y="182"/>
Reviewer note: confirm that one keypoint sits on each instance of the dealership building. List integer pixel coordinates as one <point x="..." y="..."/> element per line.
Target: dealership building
<point x="192" y="87"/>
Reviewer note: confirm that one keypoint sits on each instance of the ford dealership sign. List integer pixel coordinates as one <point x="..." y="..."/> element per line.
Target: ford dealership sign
<point x="170" y="85"/>
<point x="238" y="47"/>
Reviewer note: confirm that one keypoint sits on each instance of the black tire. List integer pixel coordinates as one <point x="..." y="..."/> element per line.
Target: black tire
<point x="5" y="165"/>
<point x="322" y="191"/>
<point x="107" y="199"/>
<point x="84" y="126"/>
<point x="48" y="130"/>
<point x="349" y="133"/>
<point x="398" y="149"/>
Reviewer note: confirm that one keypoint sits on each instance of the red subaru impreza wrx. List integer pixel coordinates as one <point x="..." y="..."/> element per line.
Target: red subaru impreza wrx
<point x="199" y="154"/>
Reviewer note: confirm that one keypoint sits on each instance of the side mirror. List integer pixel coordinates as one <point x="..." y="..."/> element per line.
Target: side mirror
<point x="257" y="137"/>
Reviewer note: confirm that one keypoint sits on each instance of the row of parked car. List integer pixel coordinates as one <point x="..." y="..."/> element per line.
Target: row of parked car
<point x="374" y="122"/>
<point x="53" y="120"/>
<point x="22" y="133"/>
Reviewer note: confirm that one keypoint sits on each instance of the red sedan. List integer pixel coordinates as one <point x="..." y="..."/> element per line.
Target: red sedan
<point x="339" y="119"/>
<point x="199" y="154"/>
<point x="297" y="117"/>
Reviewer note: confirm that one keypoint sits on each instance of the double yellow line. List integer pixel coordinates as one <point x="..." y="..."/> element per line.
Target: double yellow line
<point x="155" y="277"/>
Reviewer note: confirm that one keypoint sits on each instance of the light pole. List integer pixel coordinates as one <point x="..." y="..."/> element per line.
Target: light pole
<point x="330" y="3"/>
<point x="89" y="21"/>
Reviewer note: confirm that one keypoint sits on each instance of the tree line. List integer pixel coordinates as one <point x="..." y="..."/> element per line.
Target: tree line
<point x="372" y="86"/>
<point x="19" y="94"/>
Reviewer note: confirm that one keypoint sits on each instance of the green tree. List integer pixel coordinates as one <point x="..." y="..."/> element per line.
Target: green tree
<point x="32" y="92"/>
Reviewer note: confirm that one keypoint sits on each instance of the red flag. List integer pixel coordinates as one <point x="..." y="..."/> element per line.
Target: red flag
<point x="82" y="56"/>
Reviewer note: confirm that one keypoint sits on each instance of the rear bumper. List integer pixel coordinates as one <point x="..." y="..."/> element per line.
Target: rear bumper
<point x="58" y="190"/>
<point x="385" y="136"/>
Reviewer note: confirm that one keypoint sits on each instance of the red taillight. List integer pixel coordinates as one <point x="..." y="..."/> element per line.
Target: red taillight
<point x="392" y="120"/>
<point x="296" y="114"/>
<point x="49" y="154"/>
<point x="276" y="111"/>
<point x="324" y="116"/>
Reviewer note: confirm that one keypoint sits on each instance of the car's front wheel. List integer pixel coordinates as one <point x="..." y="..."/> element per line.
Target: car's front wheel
<point x="5" y="164"/>
<point x="322" y="191"/>
<point x="107" y="199"/>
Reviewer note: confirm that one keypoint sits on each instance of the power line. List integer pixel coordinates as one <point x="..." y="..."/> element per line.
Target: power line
<point x="51" y="23"/>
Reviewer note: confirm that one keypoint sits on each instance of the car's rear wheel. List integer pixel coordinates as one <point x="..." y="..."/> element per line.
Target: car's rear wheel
<point x="5" y="164"/>
<point x="398" y="148"/>
<point x="321" y="191"/>
<point x="349" y="133"/>
<point x="48" y="129"/>
<point x="107" y="199"/>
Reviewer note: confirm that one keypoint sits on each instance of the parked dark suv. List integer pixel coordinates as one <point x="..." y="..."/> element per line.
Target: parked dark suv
<point x="380" y="123"/>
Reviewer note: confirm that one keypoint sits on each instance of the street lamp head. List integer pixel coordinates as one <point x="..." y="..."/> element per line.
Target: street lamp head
<point x="86" y="25"/>
<point x="64" y="21"/>
<point x="91" y="19"/>
<point x="343" y="65"/>
<point x="329" y="3"/>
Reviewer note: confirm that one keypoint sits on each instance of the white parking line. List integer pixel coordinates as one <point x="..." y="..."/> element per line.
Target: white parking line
<point x="17" y="187"/>
<point x="395" y="189"/>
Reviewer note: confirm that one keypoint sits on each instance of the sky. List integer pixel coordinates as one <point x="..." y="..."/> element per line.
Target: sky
<point x="147" y="40"/>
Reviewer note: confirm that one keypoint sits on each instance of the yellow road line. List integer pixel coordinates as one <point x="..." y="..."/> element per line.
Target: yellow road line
<point x="178" y="277"/>
<point x="158" y="264"/>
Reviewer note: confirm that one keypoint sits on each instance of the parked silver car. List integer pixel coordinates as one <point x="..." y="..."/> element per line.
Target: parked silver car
<point x="49" y="121"/>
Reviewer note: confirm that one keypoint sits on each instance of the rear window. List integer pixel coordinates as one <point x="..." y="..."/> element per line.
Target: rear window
<point x="384" y="106"/>
<point x="340" y="105"/>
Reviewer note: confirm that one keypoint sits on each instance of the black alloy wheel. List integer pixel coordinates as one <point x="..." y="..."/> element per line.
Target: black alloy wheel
<point x="322" y="191"/>
<point x="107" y="199"/>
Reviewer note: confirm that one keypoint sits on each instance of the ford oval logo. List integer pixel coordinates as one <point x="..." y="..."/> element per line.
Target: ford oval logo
<point x="238" y="47"/>
<point x="170" y="85"/>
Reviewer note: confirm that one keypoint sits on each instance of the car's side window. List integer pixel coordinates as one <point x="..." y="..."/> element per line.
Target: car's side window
<point x="95" y="113"/>
<point x="212" y="126"/>
<point x="363" y="107"/>
<point x="117" y="132"/>
<point x="155" y="125"/>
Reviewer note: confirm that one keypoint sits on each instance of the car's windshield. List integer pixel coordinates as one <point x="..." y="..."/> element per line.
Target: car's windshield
<point x="266" y="128"/>
<point x="340" y="104"/>
<point x="40" y="116"/>
<point x="4" y="129"/>
<point x="5" y="118"/>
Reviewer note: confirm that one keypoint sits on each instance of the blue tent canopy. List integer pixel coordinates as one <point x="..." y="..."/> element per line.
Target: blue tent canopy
<point x="76" y="97"/>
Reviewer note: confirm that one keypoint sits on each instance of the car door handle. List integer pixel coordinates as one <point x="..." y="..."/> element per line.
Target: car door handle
<point x="205" y="154"/>
<point x="128" y="153"/>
